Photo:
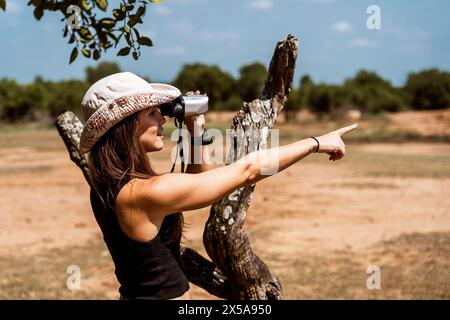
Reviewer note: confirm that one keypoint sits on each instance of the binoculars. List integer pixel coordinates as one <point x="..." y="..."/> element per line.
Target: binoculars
<point x="185" y="106"/>
<point x="182" y="107"/>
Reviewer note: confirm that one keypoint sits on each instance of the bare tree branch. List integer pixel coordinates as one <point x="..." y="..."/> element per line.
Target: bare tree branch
<point x="224" y="237"/>
<point x="236" y="271"/>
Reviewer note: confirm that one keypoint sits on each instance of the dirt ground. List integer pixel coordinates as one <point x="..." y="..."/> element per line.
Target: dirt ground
<point x="314" y="223"/>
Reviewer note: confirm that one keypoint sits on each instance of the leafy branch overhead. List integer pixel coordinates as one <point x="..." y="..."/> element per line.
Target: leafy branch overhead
<point x="93" y="27"/>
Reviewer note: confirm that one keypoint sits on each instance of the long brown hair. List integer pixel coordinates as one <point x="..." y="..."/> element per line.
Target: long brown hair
<point x="117" y="158"/>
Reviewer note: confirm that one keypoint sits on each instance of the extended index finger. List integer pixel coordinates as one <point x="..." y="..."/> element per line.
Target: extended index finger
<point x="347" y="129"/>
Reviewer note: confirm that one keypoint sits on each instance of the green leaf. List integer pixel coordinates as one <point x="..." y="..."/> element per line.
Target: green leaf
<point x="88" y="37"/>
<point x="156" y="1"/>
<point x="84" y="31"/>
<point x="102" y="37"/>
<point x="133" y="20"/>
<point x="72" y="38"/>
<point x="124" y="51"/>
<point x="102" y="4"/>
<point x="3" y="5"/>
<point x="113" y="36"/>
<point x="73" y="55"/>
<point x="38" y="13"/>
<point x="96" y="54"/>
<point x="136" y="32"/>
<point x="141" y="11"/>
<point x="85" y="5"/>
<point x="107" y="23"/>
<point x="145" y="41"/>
<point x="86" y="52"/>
<point x="119" y="14"/>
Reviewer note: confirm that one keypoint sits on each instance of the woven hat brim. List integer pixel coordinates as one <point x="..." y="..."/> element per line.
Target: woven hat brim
<point x="113" y="112"/>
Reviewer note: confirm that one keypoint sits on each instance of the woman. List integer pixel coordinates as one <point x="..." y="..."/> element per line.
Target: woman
<point x="138" y="210"/>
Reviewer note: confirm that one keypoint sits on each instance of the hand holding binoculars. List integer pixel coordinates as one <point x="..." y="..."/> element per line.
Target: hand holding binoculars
<point x="185" y="106"/>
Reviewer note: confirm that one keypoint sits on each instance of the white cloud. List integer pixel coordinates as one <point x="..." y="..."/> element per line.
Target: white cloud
<point x="218" y="35"/>
<point x="163" y="10"/>
<point x="362" y="43"/>
<point x="260" y="4"/>
<point x="404" y="32"/>
<point x="171" y="50"/>
<point x="13" y="7"/>
<point x="188" y="31"/>
<point x="342" y="27"/>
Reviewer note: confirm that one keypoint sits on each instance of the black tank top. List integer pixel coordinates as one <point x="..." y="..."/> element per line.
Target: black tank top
<point x="145" y="270"/>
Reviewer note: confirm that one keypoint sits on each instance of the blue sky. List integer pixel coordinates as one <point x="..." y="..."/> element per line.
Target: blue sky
<point x="334" y="39"/>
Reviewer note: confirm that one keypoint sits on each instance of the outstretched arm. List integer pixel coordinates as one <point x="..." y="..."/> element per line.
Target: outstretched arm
<point x="174" y="192"/>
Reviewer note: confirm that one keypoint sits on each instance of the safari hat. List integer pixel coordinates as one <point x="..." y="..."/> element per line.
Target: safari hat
<point x="114" y="98"/>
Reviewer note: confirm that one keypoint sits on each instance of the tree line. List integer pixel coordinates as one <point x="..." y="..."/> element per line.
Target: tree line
<point x="366" y="92"/>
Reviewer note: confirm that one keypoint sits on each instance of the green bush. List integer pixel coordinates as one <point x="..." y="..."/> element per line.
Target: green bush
<point x="367" y="91"/>
<point x="219" y="85"/>
<point x="67" y="95"/>
<point x="251" y="82"/>
<point x="428" y="89"/>
<point x="13" y="101"/>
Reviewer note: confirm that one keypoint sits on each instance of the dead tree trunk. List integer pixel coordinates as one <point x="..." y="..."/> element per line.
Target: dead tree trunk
<point x="237" y="274"/>
<point x="224" y="237"/>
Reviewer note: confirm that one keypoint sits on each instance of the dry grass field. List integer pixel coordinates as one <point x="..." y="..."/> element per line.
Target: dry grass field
<point x="318" y="225"/>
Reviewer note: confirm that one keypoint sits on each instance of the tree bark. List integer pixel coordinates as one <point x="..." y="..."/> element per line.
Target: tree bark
<point x="236" y="272"/>
<point x="224" y="238"/>
<point x="70" y="128"/>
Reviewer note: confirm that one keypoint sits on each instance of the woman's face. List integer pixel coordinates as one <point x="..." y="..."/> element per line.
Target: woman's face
<point x="151" y="130"/>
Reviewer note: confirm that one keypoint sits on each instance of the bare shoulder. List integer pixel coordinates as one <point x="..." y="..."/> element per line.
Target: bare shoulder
<point x="132" y="194"/>
<point x="134" y="218"/>
<point x="124" y="198"/>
